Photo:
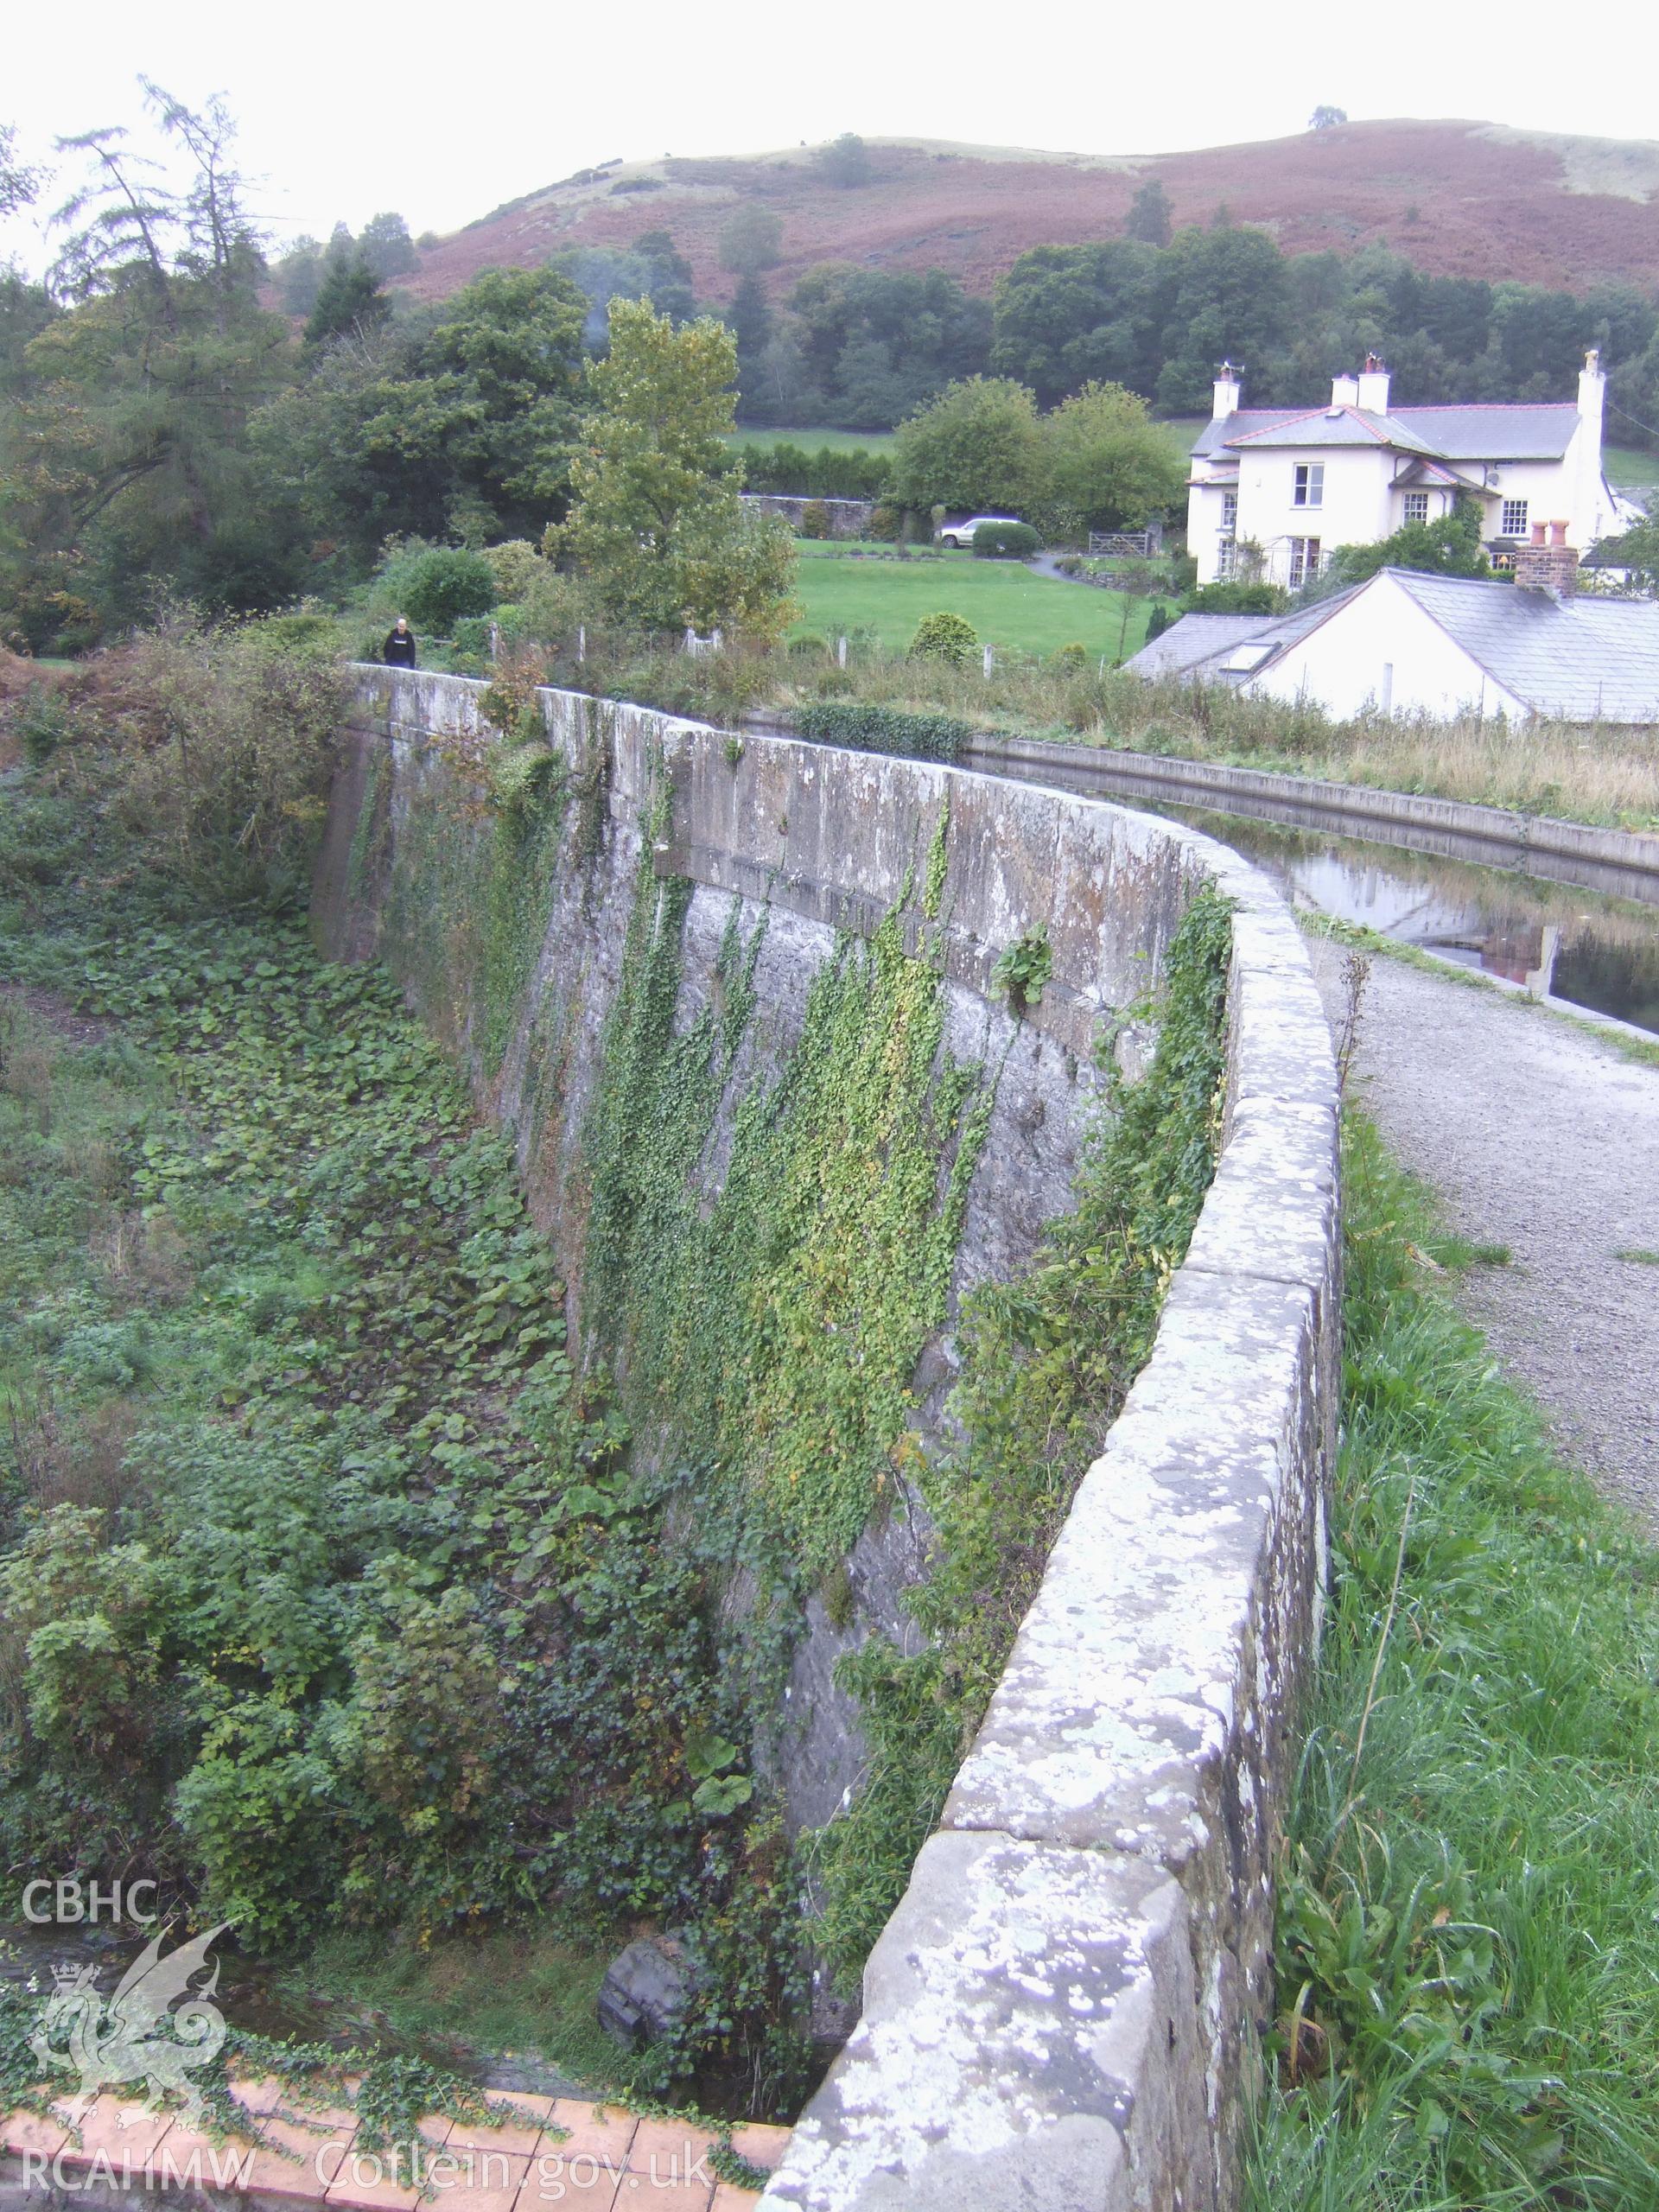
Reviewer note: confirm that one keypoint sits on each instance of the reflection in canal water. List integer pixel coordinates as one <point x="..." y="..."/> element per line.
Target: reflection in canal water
<point x="1598" y="953"/>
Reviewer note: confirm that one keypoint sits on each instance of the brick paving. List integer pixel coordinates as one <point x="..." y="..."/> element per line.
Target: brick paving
<point x="537" y="2153"/>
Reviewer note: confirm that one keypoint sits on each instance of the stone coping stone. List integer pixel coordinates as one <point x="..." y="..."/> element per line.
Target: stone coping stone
<point x="1019" y="2047"/>
<point x="540" y="2153"/>
<point x="1122" y="1695"/>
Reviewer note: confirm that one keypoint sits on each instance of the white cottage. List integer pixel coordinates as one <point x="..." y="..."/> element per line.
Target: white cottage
<point x="1275" y="491"/>
<point x="1404" y="643"/>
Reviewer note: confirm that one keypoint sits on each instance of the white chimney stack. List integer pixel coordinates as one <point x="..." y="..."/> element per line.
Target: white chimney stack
<point x="1226" y="391"/>
<point x="1344" y="391"/>
<point x="1373" y="384"/>
<point x="1593" y="389"/>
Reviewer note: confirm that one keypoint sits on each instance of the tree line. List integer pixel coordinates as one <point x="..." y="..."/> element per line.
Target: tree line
<point x="166" y="429"/>
<point x="860" y="348"/>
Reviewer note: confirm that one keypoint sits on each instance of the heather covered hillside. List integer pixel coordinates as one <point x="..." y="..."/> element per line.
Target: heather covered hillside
<point x="1459" y="198"/>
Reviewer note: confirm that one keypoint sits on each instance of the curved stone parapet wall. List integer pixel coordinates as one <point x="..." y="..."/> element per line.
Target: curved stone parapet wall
<point x="1062" y="2010"/>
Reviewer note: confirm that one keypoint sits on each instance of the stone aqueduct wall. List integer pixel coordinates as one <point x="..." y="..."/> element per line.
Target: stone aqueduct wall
<point x="1061" y="2012"/>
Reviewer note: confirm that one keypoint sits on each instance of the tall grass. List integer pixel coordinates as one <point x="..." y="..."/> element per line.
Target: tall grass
<point x="1468" y="1951"/>
<point x="1604" y="773"/>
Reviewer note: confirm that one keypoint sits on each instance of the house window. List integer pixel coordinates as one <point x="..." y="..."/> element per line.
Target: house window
<point x="1416" y="506"/>
<point x="1303" y="560"/>
<point x="1515" y="519"/>
<point x="1226" y="560"/>
<point x="1229" y="510"/>
<point x="1310" y="485"/>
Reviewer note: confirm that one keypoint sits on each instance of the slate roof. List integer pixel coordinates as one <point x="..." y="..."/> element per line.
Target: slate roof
<point x="1333" y="426"/>
<point x="1492" y="432"/>
<point x="1520" y="433"/>
<point x="1580" y="659"/>
<point x="1198" y="643"/>
<point x="1194" y="638"/>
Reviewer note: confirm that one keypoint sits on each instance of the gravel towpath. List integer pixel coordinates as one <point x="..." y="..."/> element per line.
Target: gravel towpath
<point x="1539" y="1136"/>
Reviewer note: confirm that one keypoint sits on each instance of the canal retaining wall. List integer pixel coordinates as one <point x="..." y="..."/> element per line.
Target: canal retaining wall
<point x="1064" y="2010"/>
<point x="1622" y="863"/>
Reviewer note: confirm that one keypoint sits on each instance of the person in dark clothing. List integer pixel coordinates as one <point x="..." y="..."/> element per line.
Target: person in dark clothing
<point x="398" y="651"/>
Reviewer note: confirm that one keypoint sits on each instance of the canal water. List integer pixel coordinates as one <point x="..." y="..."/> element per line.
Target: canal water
<point x="1586" y="950"/>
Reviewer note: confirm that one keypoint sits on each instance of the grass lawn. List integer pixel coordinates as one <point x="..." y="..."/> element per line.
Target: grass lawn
<point x="760" y="434"/>
<point x="1629" y="464"/>
<point x="1008" y="604"/>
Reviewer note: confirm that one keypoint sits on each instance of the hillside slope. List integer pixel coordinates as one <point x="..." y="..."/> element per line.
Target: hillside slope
<point x="1458" y="198"/>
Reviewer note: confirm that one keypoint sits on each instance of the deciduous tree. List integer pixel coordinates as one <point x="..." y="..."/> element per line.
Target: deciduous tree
<point x="751" y="240"/>
<point x="1151" y="219"/>
<point x="1109" y="465"/>
<point x="658" y="523"/>
<point x="976" y="447"/>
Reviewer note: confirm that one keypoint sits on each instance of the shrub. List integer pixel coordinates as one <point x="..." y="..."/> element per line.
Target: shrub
<point x="945" y="636"/>
<point x="1005" y="541"/>
<point x="42" y="723"/>
<point x="444" y="585"/>
<point x="1023" y="969"/>
<point x="883" y="729"/>
<point x="1239" y="599"/>
<point x="808" y="648"/>
<point x="517" y="566"/>
<point x="886" y="523"/>
<point x="815" y="519"/>
<point x="1069" y="660"/>
<point x="1159" y="620"/>
<point x="219" y="767"/>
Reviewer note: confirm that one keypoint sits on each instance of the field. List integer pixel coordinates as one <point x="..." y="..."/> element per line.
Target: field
<point x="1629" y="464"/>
<point x="1008" y="605"/>
<point x="761" y="434"/>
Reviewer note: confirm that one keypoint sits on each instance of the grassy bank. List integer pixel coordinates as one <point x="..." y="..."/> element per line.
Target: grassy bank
<point x="1469" y="1930"/>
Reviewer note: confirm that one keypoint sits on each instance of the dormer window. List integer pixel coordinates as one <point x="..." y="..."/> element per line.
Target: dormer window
<point x="1310" y="485"/>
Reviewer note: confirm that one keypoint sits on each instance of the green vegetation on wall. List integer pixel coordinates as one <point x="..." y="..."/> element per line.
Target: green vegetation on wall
<point x="1046" y="1360"/>
<point x="774" y="1326"/>
<point x="477" y="866"/>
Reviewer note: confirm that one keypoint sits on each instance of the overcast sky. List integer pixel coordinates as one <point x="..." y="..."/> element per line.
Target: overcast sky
<point x="441" y="112"/>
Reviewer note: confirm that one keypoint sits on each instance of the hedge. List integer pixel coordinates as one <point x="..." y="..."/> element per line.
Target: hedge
<point x="882" y="730"/>
<point x="1005" y="541"/>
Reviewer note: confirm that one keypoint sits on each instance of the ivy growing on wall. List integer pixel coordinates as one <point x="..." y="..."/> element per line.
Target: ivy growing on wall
<point x="479" y="851"/>
<point x="1047" y="1359"/>
<point x="775" y="1320"/>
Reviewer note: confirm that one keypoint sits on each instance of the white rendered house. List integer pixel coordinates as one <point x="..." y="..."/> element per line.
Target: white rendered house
<point x="1273" y="492"/>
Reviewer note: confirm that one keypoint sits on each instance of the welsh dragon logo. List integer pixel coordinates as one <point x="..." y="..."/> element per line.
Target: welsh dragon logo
<point x="121" y="2038"/>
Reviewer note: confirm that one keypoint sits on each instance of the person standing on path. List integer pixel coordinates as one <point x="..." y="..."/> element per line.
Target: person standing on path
<point x="398" y="651"/>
